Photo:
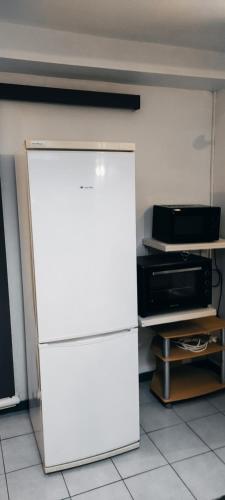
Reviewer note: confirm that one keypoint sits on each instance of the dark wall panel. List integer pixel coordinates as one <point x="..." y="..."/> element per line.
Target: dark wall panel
<point x="53" y="95"/>
<point x="7" y="388"/>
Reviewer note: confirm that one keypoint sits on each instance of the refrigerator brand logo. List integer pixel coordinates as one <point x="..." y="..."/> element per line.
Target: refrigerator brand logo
<point x="86" y="187"/>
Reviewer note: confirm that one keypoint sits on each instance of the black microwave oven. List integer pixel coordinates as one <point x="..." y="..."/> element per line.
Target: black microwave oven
<point x="185" y="223"/>
<point x="173" y="282"/>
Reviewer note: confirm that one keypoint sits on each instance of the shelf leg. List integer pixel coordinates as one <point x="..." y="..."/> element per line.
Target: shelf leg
<point x="223" y="357"/>
<point x="168" y="406"/>
<point x="166" y="385"/>
<point x="166" y="394"/>
<point x="166" y="347"/>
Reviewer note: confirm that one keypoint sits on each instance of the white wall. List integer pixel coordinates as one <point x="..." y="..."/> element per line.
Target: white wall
<point x="219" y="178"/>
<point x="172" y="133"/>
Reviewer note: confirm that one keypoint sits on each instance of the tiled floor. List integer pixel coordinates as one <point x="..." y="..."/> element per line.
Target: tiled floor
<point x="181" y="457"/>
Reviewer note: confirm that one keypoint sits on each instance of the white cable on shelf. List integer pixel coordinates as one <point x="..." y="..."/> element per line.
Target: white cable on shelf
<point x="199" y="347"/>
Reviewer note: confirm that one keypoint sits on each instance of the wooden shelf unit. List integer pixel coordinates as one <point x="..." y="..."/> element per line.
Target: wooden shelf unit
<point x="200" y="326"/>
<point x="187" y="381"/>
<point x="177" y="354"/>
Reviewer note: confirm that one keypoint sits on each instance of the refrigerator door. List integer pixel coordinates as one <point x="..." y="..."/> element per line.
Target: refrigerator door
<point x="82" y="207"/>
<point x="89" y="397"/>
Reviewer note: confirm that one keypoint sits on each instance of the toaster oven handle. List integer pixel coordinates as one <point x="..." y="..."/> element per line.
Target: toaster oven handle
<point x="173" y="271"/>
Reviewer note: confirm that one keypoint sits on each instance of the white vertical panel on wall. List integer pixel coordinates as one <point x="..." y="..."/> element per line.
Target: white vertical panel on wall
<point x="172" y="132"/>
<point x="219" y="177"/>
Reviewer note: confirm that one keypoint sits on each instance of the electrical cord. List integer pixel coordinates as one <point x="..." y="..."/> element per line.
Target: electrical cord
<point x="215" y="285"/>
<point x="197" y="343"/>
<point x="195" y="346"/>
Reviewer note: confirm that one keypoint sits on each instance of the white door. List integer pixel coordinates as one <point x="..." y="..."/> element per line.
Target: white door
<point x="89" y="396"/>
<point x="84" y="242"/>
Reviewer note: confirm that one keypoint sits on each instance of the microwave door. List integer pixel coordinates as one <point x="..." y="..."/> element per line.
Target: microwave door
<point x="188" y="228"/>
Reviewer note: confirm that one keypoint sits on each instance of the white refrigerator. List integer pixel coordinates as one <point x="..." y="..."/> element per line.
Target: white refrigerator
<point x="76" y="204"/>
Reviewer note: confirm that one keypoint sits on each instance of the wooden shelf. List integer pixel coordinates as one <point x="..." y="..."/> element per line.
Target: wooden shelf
<point x="187" y="382"/>
<point x="177" y="354"/>
<point x="160" y="319"/>
<point x="183" y="247"/>
<point x="200" y="326"/>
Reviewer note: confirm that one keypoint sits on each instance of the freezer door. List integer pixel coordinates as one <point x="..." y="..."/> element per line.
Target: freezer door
<point x="84" y="243"/>
<point x="89" y="396"/>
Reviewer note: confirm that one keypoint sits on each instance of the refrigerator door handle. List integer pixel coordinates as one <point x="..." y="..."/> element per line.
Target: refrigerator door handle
<point x="86" y="340"/>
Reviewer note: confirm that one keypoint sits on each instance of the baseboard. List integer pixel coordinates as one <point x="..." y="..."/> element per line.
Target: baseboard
<point x="23" y="405"/>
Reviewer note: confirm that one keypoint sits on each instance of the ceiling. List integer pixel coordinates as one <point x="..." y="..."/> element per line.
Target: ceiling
<point x="189" y="23"/>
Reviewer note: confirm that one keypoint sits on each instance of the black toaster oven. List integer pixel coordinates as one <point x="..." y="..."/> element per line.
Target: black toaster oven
<point x="173" y="282"/>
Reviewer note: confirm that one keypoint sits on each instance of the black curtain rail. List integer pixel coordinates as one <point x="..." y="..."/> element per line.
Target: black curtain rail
<point x="53" y="95"/>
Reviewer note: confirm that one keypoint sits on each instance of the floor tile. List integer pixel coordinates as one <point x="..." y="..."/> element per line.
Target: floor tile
<point x="154" y="417"/>
<point x="194" y="409"/>
<point x="218" y="400"/>
<point x="33" y="484"/>
<point x="14" y="424"/>
<point x="145" y="395"/>
<point x="158" y="484"/>
<point x="116" y="491"/>
<point x="20" y="452"/>
<point x="88" y="477"/>
<point x="1" y="463"/>
<point x="211" y="429"/>
<point x="144" y="458"/>
<point x="204" y="475"/>
<point x="178" y="442"/>
<point x="221" y="453"/>
<point x="3" y="488"/>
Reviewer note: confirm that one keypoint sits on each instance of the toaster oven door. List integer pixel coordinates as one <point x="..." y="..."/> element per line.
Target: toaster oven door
<point x="177" y="289"/>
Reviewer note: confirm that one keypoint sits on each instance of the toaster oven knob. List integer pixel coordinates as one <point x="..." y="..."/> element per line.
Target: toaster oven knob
<point x="206" y="283"/>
